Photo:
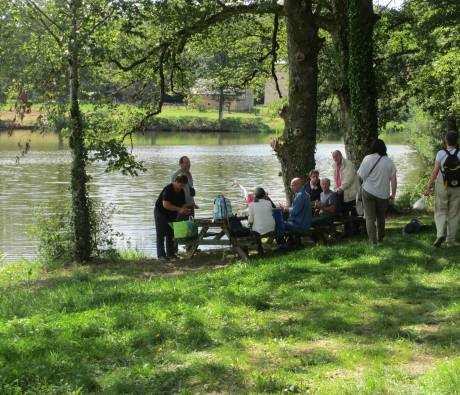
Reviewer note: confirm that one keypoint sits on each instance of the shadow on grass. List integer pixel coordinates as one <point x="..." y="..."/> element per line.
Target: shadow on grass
<point x="111" y="326"/>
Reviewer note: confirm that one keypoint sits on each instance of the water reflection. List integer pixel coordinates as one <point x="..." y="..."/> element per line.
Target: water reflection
<point x="44" y="173"/>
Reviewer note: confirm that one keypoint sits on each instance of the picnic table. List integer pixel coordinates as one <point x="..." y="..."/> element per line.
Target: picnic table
<point x="216" y="232"/>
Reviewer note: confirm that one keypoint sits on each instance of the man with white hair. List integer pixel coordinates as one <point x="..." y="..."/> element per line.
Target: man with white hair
<point x="346" y="183"/>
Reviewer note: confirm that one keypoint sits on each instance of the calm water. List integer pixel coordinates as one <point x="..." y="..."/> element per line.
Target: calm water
<point x="217" y="160"/>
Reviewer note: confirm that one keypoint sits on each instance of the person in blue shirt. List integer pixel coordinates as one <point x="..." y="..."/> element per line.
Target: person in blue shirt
<point x="300" y="216"/>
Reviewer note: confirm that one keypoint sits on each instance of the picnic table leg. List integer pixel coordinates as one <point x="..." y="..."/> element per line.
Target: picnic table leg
<point x="241" y="252"/>
<point x="196" y="243"/>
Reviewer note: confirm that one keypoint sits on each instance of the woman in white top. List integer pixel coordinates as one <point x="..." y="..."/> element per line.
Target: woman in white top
<point x="447" y="198"/>
<point x="377" y="171"/>
<point x="260" y="213"/>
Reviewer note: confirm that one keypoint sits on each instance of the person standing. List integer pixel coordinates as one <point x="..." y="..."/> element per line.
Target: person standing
<point x="189" y="190"/>
<point x="377" y="171"/>
<point x="346" y="183"/>
<point x="447" y="195"/>
<point x="170" y="204"/>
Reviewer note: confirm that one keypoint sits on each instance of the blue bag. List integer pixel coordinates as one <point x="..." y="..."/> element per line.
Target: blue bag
<point x="222" y="207"/>
<point x="279" y="220"/>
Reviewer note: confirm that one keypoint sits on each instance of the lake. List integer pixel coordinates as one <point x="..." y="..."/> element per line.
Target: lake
<point x="217" y="160"/>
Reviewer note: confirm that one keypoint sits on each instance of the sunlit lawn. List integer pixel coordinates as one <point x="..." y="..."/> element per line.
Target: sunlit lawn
<point x="342" y="319"/>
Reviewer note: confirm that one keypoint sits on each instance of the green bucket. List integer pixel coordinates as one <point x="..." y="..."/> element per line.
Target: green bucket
<point x="184" y="229"/>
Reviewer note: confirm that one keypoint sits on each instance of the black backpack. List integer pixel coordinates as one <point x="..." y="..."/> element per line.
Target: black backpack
<point x="451" y="170"/>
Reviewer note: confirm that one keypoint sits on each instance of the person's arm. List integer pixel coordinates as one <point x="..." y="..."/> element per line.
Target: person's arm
<point x="394" y="185"/>
<point x="171" y="207"/>
<point x="434" y="175"/>
<point x="251" y="214"/>
<point x="297" y="206"/>
<point x="329" y="209"/>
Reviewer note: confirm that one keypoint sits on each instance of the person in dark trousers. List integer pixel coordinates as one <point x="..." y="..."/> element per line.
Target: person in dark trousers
<point x="378" y="172"/>
<point x="313" y="185"/>
<point x="326" y="205"/>
<point x="170" y="203"/>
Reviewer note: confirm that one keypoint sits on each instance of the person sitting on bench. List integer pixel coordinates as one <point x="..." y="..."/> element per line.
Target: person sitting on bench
<point x="326" y="206"/>
<point x="313" y="185"/>
<point x="300" y="216"/>
<point x="260" y="213"/>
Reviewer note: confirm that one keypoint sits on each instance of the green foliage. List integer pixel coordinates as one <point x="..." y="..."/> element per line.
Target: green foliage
<point x="434" y="79"/>
<point x="53" y="228"/>
<point x="197" y="102"/>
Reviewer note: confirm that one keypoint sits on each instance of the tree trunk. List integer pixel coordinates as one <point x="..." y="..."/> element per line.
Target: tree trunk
<point x="221" y="106"/>
<point x="340" y="38"/>
<point x="296" y="148"/>
<point x="80" y="205"/>
<point x="363" y="95"/>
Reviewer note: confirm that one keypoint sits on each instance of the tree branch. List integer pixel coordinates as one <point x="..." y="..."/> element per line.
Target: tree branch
<point x="275" y="47"/>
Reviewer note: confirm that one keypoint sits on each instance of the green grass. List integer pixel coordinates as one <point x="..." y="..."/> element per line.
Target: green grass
<point x="186" y="119"/>
<point x="340" y="319"/>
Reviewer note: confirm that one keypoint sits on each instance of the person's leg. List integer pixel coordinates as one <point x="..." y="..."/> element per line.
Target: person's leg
<point x="161" y="225"/>
<point x="341" y="206"/>
<point x="453" y="215"/>
<point x="349" y="227"/>
<point x="440" y="212"/>
<point x="381" y="211"/>
<point x="293" y="232"/>
<point x="370" y="212"/>
<point x="170" y="244"/>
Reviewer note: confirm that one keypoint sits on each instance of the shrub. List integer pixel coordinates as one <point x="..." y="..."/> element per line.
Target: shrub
<point x="53" y="229"/>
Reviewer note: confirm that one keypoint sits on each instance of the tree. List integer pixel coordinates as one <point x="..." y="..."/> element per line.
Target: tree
<point x="77" y="28"/>
<point x="436" y="81"/>
<point x="228" y="56"/>
<point x="296" y="148"/>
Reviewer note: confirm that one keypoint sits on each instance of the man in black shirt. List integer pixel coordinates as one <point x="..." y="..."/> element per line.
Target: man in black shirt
<point x="169" y="204"/>
<point x="313" y="186"/>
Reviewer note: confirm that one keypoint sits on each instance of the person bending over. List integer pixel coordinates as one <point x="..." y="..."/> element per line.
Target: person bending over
<point x="346" y="184"/>
<point x="170" y="203"/>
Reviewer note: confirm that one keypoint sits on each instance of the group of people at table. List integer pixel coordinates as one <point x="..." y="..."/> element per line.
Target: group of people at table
<point x="315" y="203"/>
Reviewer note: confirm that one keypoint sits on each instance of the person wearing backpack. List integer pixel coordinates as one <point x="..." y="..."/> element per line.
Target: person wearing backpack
<point x="377" y="171"/>
<point x="446" y="178"/>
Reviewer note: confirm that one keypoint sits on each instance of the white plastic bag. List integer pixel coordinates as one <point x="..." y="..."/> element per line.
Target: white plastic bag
<point x="420" y="204"/>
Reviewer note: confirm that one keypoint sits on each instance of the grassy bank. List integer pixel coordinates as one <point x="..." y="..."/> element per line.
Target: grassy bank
<point x="343" y="319"/>
<point x="183" y="119"/>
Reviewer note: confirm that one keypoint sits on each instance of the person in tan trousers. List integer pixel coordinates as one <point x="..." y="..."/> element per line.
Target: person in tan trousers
<point x="447" y="199"/>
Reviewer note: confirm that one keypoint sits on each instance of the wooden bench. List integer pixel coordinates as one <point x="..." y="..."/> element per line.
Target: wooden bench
<point x="336" y="229"/>
<point x="217" y="233"/>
